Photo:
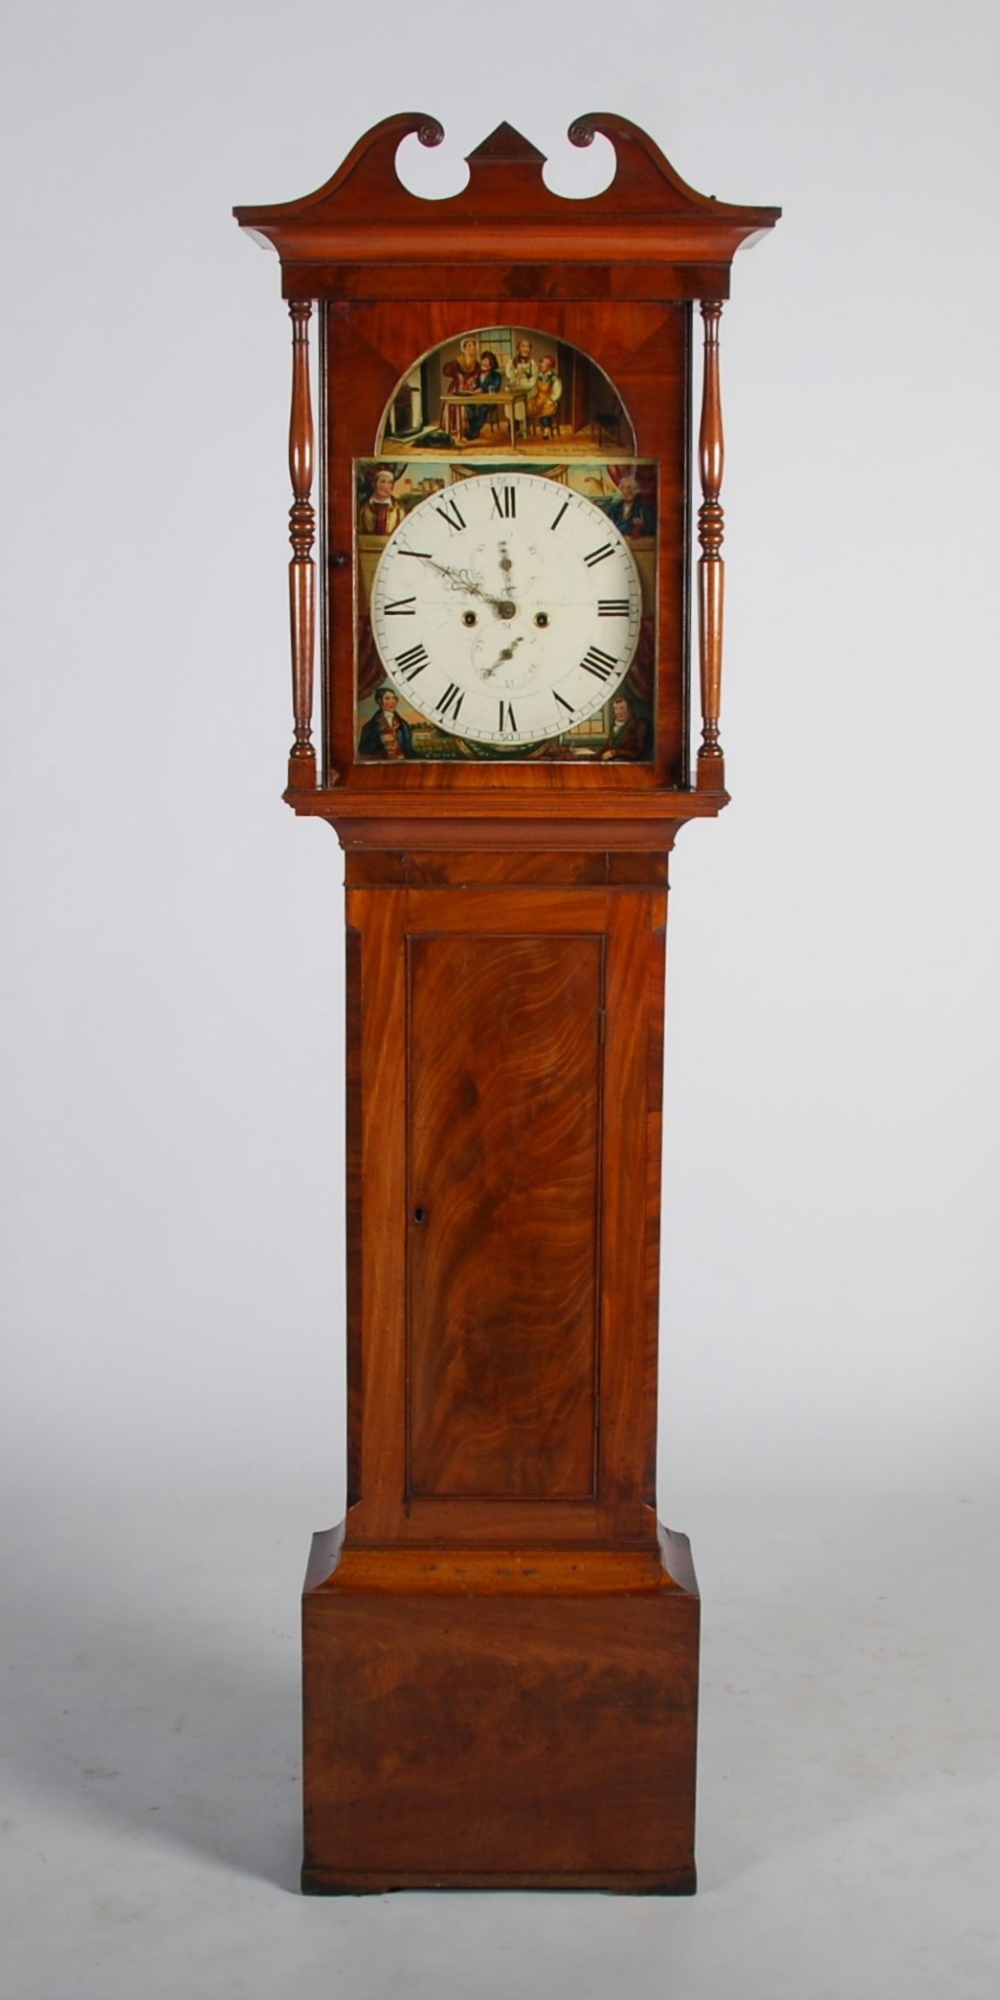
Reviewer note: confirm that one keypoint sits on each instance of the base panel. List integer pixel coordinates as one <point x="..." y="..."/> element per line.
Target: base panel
<point x="506" y="1739"/>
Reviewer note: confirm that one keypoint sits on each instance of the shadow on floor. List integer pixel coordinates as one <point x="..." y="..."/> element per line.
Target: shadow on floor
<point x="152" y="1676"/>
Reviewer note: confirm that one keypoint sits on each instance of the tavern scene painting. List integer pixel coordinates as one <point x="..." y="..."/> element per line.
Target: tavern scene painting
<point x="510" y="389"/>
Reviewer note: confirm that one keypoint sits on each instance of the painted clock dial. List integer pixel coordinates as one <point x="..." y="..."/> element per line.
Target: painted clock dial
<point x="506" y="608"/>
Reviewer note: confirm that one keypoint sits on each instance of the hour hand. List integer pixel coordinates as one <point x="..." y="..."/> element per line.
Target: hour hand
<point x="507" y="654"/>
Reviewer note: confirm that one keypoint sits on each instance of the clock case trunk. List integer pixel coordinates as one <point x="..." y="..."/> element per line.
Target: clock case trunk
<point x="501" y="1647"/>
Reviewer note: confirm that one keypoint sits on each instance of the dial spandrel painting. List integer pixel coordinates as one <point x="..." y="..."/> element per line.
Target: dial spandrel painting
<point x="505" y="559"/>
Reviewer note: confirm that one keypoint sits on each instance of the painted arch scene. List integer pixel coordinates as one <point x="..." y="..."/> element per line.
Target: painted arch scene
<point x="509" y="389"/>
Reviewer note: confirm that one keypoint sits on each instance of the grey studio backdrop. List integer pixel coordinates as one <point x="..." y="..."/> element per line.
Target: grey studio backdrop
<point x="173" y="1208"/>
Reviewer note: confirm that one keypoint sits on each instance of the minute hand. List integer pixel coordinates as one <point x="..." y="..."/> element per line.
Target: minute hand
<point x="461" y="580"/>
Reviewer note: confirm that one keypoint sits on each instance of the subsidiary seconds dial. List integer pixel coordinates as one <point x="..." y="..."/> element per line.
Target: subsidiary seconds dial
<point x="506" y="608"/>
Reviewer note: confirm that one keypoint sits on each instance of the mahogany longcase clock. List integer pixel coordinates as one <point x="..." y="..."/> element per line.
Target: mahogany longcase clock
<point x="500" y="1641"/>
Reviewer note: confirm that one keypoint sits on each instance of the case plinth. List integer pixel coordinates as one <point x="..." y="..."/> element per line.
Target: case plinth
<point x="527" y="1720"/>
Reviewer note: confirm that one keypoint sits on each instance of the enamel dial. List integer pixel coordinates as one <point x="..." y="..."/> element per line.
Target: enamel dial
<point x="506" y="608"/>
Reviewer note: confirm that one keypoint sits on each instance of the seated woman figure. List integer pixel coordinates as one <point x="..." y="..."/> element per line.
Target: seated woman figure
<point x="462" y="376"/>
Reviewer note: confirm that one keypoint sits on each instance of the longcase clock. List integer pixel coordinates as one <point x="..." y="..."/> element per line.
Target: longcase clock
<point x="500" y="1641"/>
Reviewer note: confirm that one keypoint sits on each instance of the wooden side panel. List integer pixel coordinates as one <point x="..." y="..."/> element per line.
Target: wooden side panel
<point x="504" y="1174"/>
<point x="656" y="1001"/>
<point x="355" y="1377"/>
<point x="380" y="920"/>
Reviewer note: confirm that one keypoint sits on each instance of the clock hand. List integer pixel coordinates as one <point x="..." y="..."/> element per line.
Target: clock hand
<point x="460" y="579"/>
<point x="500" y="604"/>
<point x="507" y="654"/>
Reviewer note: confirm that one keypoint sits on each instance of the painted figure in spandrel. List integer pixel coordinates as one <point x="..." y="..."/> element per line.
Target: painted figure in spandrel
<point x="381" y="513"/>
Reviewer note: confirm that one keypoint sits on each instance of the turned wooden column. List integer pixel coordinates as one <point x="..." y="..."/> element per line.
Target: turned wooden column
<point x="301" y="569"/>
<point x="711" y="568"/>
